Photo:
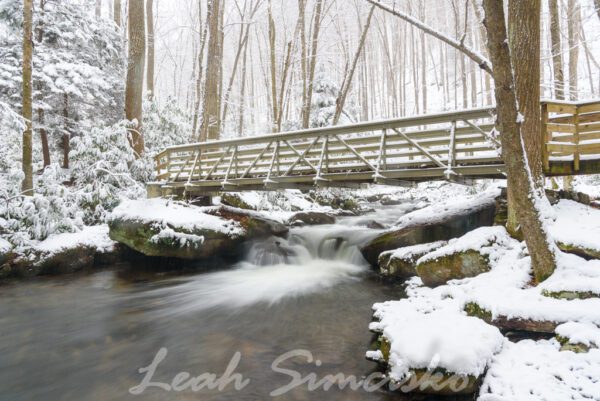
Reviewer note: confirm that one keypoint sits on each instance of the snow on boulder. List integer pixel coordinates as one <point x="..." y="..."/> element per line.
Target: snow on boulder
<point x="538" y="371"/>
<point x="5" y="256"/>
<point x="160" y="227"/>
<point x="441" y="221"/>
<point x="577" y="228"/>
<point x="467" y="256"/>
<point x="574" y="278"/>
<point x="401" y="263"/>
<point x="420" y="346"/>
<point x="578" y="336"/>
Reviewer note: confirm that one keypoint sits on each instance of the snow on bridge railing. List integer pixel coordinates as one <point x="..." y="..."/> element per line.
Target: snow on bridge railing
<point x="443" y="145"/>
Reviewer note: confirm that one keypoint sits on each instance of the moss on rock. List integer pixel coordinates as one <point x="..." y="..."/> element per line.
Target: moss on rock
<point x="235" y="200"/>
<point x="459" y="265"/>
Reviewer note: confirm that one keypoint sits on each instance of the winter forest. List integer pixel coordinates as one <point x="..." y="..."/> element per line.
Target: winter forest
<point x="300" y="199"/>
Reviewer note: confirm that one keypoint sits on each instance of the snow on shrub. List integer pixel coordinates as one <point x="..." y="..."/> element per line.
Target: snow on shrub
<point x="103" y="171"/>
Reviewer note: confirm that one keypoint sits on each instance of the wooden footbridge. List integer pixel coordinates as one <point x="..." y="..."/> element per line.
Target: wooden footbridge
<point x="457" y="146"/>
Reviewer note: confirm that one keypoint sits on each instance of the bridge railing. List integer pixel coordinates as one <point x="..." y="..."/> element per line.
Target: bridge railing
<point x="571" y="135"/>
<point x="444" y="145"/>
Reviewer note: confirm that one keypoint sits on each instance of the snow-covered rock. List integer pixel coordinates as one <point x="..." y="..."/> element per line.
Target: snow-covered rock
<point x="463" y="257"/>
<point x="401" y="263"/>
<point x="444" y="342"/>
<point x="578" y="336"/>
<point x="159" y="227"/>
<point x="441" y="221"/>
<point x="538" y="371"/>
<point x="577" y="228"/>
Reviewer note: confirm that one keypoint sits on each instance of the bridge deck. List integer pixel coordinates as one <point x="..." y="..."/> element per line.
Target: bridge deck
<point x="456" y="146"/>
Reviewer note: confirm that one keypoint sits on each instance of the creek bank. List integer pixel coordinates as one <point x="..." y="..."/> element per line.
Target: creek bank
<point x="64" y="253"/>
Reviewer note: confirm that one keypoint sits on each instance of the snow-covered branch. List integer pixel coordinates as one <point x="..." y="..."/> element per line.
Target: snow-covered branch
<point x="478" y="58"/>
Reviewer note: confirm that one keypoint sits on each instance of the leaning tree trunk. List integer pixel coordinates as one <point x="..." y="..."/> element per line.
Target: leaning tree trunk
<point x="341" y="99"/>
<point x="150" y="69"/>
<point x="528" y="198"/>
<point x="134" y="88"/>
<point x="27" y="184"/>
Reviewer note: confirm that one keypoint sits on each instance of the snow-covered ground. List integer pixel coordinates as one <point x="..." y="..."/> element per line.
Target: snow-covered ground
<point x="527" y="370"/>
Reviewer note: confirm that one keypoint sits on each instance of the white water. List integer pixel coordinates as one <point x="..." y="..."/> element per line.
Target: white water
<point x="311" y="259"/>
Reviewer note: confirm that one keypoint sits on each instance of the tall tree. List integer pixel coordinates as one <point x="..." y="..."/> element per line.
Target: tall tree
<point x="312" y="62"/>
<point x="524" y="17"/>
<point x="557" y="59"/>
<point x="528" y="198"/>
<point x="574" y="20"/>
<point x="150" y="29"/>
<point x="41" y="114"/>
<point x="27" y="184"/>
<point x="209" y="130"/>
<point x="134" y="86"/>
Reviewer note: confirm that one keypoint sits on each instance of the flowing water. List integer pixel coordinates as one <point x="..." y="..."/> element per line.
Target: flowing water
<point x="85" y="336"/>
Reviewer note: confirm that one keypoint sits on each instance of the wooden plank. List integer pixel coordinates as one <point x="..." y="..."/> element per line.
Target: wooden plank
<point x="561" y="108"/>
<point x="569" y="129"/>
<point x="561" y="147"/>
<point x="589" y="108"/>
<point x="422" y="149"/>
<point x="589" y="127"/>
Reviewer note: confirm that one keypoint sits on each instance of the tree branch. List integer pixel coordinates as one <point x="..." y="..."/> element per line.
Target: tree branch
<point x="478" y="58"/>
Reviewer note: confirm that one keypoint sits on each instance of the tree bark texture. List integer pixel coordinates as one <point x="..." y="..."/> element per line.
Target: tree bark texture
<point x="27" y="162"/>
<point x="134" y="87"/>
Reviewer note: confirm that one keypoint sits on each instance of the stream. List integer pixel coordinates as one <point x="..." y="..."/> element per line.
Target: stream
<point x="84" y="337"/>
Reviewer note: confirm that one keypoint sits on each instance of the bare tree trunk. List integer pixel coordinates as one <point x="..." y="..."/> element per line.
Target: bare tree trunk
<point x="117" y="12"/>
<point x="243" y="91"/>
<point x="134" y="87"/>
<point x="27" y="184"/>
<point x="573" y="35"/>
<point x="209" y="129"/>
<point x="200" y="66"/>
<point x="303" y="50"/>
<point x="273" y="69"/>
<point x="40" y="111"/>
<point x="341" y="99"/>
<point x="524" y="17"/>
<point x="574" y="20"/>
<point x="527" y="197"/>
<point x="98" y="11"/>
<point x="557" y="59"/>
<point x="66" y="138"/>
<point x="312" y="64"/>
<point x="284" y="74"/>
<point x="150" y="28"/>
<point x="597" y="6"/>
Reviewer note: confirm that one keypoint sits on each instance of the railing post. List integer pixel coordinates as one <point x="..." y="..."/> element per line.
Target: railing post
<point x="576" y="156"/>
<point x="546" y="138"/>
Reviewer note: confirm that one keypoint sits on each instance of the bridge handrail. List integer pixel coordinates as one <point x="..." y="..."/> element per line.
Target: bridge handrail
<point x="444" y="117"/>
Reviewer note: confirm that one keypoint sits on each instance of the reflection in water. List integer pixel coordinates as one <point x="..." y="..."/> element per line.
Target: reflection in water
<point x="84" y="337"/>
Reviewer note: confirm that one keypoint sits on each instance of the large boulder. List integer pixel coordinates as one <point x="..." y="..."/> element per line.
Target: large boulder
<point x="158" y="227"/>
<point x="401" y="263"/>
<point x="235" y="200"/>
<point x="435" y="223"/>
<point x="310" y="219"/>
<point x="62" y="253"/>
<point x="576" y="228"/>
<point x="464" y="257"/>
<point x="5" y="251"/>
